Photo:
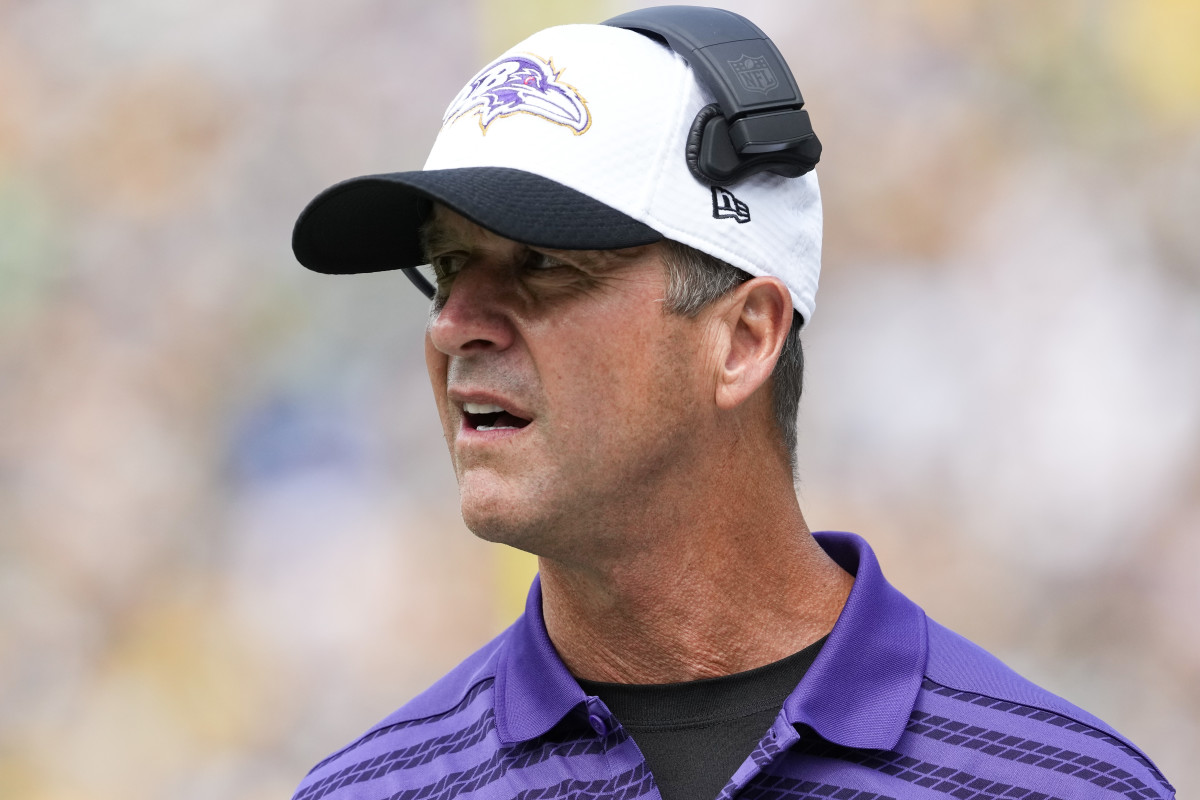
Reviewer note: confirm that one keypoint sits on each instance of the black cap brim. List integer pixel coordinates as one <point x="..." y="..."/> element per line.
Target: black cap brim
<point x="372" y="223"/>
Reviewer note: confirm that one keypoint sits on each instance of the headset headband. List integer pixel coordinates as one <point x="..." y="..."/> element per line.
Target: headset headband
<point x="757" y="123"/>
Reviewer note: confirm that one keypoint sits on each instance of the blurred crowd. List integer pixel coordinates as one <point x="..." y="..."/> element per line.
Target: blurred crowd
<point x="229" y="538"/>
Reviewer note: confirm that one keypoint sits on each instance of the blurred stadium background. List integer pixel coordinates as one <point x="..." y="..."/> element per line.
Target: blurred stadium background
<point x="229" y="539"/>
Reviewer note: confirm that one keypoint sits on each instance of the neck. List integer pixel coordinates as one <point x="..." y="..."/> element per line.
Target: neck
<point x="721" y="589"/>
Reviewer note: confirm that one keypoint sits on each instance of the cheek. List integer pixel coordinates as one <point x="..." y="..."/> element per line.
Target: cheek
<point x="436" y="363"/>
<point x="629" y="381"/>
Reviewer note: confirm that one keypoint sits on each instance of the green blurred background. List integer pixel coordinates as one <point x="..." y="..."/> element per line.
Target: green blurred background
<point x="229" y="538"/>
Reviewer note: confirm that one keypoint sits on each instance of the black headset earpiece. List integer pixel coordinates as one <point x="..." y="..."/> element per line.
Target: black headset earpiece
<point x="758" y="123"/>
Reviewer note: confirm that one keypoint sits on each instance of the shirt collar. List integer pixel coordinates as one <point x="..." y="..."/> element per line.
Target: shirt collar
<point x="859" y="692"/>
<point x="534" y="690"/>
<point x="861" y="689"/>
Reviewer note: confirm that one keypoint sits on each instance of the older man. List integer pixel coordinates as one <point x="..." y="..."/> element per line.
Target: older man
<point x="622" y="270"/>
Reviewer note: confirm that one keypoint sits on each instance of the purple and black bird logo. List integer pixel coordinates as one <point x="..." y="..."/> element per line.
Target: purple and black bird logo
<point x="520" y="84"/>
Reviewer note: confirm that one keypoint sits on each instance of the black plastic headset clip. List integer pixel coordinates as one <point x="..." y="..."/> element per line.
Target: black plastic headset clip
<point x="758" y="123"/>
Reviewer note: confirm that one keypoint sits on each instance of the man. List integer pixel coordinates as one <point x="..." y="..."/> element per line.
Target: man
<point x="614" y="351"/>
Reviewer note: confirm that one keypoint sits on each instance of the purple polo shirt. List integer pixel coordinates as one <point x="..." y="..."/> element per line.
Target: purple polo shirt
<point x="895" y="706"/>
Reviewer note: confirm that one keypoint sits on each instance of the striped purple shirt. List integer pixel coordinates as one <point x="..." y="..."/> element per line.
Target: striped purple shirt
<point x="895" y="706"/>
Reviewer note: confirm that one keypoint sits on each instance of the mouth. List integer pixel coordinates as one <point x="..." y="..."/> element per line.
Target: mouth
<point x="488" y="417"/>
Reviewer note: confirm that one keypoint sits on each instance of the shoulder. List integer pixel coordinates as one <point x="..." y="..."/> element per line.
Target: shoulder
<point x="971" y="700"/>
<point x="454" y="713"/>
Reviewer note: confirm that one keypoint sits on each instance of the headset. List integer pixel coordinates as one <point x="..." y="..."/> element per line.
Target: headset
<point x="758" y="123"/>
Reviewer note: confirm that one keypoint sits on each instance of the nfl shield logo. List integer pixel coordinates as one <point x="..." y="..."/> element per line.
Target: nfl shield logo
<point x="754" y="73"/>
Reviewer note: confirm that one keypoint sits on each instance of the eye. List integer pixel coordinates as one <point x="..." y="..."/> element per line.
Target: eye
<point x="543" y="261"/>
<point x="447" y="265"/>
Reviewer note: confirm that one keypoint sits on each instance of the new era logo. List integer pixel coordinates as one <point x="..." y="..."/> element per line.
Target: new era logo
<point x="726" y="206"/>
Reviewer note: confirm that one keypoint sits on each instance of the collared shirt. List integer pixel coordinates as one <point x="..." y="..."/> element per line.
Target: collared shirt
<point x="894" y="706"/>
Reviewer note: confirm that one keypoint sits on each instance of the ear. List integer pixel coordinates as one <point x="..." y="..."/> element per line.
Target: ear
<point x="756" y="324"/>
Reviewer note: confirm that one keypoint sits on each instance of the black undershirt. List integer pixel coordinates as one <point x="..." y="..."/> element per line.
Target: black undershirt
<point x="694" y="735"/>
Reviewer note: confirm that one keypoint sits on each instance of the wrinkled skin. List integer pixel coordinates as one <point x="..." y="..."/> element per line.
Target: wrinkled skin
<point x="578" y="343"/>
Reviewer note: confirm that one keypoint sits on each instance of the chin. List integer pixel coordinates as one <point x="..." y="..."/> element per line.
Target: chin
<point x="539" y="531"/>
<point x="504" y="510"/>
<point x="495" y="518"/>
<point x="502" y="530"/>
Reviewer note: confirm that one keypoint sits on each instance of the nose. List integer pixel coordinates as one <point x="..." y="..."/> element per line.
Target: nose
<point x="475" y="316"/>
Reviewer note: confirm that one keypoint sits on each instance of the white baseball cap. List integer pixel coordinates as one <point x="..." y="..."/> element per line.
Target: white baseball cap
<point x="574" y="139"/>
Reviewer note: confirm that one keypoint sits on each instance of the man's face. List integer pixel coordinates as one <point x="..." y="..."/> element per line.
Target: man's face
<point x="566" y="393"/>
